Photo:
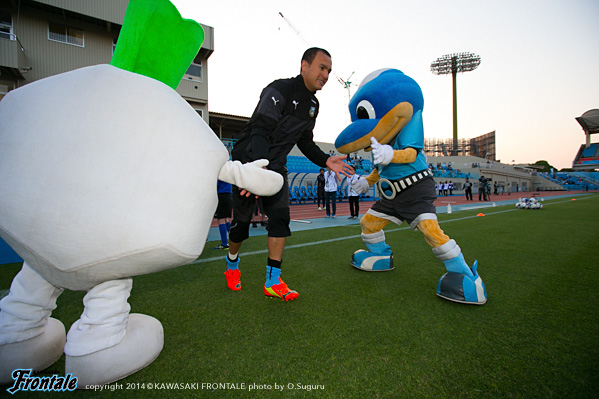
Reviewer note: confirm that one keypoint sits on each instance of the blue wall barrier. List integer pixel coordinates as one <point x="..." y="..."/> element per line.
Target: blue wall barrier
<point x="7" y="254"/>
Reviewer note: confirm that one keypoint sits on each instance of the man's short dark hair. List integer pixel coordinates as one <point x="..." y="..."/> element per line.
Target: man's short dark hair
<point x="311" y="53"/>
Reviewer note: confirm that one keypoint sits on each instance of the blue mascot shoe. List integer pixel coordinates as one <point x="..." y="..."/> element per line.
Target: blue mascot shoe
<point x="370" y="262"/>
<point x="462" y="288"/>
<point x="379" y="259"/>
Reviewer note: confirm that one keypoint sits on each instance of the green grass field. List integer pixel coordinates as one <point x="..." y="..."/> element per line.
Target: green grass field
<point x="382" y="335"/>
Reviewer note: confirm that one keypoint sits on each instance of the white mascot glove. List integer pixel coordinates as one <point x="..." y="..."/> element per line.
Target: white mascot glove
<point x="252" y="177"/>
<point x="382" y="153"/>
<point x="361" y="186"/>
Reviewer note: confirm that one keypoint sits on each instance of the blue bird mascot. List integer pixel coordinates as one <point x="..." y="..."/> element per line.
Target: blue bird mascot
<point x="386" y="114"/>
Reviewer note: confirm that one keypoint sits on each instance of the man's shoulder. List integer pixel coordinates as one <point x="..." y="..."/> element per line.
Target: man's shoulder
<point x="283" y="85"/>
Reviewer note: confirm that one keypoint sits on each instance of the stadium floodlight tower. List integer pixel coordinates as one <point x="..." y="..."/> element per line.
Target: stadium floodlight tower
<point x="454" y="63"/>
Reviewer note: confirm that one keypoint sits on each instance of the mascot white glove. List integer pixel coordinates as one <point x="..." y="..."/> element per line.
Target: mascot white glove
<point x="252" y="177"/>
<point x="382" y="153"/>
<point x="361" y="186"/>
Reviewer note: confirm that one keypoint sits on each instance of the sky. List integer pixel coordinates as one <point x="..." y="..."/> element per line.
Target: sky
<point x="538" y="72"/>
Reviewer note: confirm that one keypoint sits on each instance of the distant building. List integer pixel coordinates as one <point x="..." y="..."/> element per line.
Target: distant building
<point x="482" y="147"/>
<point x="587" y="158"/>
<point x="41" y="38"/>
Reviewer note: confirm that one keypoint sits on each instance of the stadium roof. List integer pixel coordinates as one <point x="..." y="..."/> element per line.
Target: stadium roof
<point x="589" y="121"/>
<point x="226" y="126"/>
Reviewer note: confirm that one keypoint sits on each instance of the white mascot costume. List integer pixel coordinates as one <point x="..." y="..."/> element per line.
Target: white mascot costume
<point x="114" y="178"/>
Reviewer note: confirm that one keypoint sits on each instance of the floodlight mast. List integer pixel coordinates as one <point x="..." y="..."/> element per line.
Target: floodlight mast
<point x="454" y="63"/>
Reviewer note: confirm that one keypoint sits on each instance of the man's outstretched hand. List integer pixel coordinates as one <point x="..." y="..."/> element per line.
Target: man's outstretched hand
<point x="336" y="164"/>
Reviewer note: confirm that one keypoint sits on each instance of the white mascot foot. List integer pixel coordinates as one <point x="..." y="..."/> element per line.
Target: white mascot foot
<point x="37" y="353"/>
<point x="143" y="342"/>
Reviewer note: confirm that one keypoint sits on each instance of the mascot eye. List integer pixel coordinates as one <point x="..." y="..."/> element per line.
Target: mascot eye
<point x="365" y="110"/>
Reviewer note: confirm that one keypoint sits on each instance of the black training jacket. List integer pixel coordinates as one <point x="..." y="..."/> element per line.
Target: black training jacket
<point x="285" y="116"/>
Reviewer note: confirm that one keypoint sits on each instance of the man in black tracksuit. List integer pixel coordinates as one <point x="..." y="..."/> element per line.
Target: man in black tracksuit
<point x="320" y="188"/>
<point x="285" y="116"/>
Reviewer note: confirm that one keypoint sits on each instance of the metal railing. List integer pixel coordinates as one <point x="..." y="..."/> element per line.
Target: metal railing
<point x="13" y="37"/>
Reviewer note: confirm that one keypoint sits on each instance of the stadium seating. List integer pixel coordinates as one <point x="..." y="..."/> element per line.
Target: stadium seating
<point x="587" y="156"/>
<point x="591" y="151"/>
<point x="298" y="194"/>
<point x="304" y="193"/>
<point x="591" y="177"/>
<point x="302" y="173"/>
<point x="311" y="193"/>
<point x="292" y="197"/>
<point x="574" y="181"/>
<point x="341" y="193"/>
<point x="301" y="164"/>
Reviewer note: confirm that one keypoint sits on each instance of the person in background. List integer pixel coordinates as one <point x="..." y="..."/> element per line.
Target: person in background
<point x="468" y="190"/>
<point x="223" y="212"/>
<point x="353" y="196"/>
<point x="320" y="188"/>
<point x="330" y="192"/>
<point x="482" y="189"/>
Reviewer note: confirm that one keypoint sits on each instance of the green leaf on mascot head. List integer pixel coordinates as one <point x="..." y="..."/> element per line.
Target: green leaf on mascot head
<point x="157" y="42"/>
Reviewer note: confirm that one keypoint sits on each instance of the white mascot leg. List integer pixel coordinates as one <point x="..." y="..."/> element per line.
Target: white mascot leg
<point x="107" y="343"/>
<point x="29" y="337"/>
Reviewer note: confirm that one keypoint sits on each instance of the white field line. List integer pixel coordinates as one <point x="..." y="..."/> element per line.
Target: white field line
<point x="469" y="208"/>
<point x="309" y="244"/>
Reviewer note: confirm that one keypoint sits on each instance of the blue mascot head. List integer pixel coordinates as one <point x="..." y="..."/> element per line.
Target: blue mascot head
<point x="388" y="103"/>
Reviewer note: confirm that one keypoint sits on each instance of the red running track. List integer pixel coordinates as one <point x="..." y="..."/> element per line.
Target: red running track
<point x="310" y="210"/>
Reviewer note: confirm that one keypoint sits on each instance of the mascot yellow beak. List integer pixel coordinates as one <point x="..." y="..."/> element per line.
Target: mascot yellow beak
<point x="391" y="123"/>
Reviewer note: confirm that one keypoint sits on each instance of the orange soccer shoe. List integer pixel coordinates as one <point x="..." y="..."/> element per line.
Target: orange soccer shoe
<point x="233" y="279"/>
<point x="280" y="291"/>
